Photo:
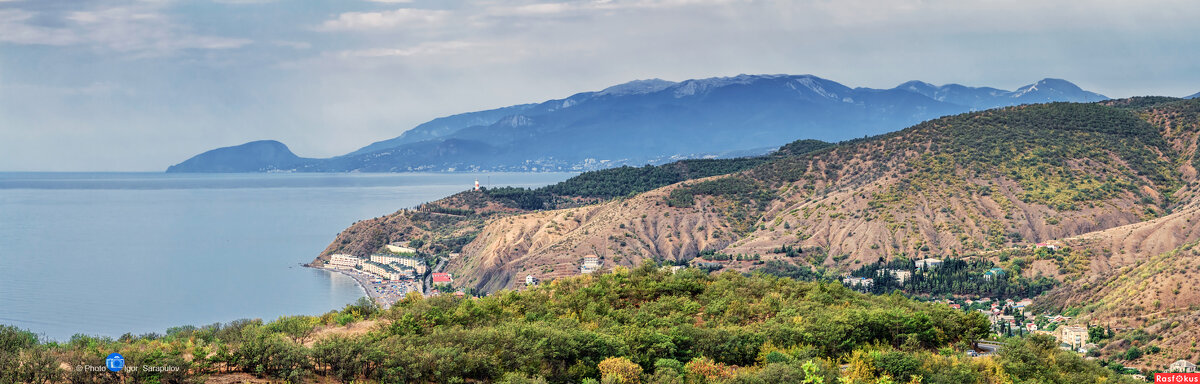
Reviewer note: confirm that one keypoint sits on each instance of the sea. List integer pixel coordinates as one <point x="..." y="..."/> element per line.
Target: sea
<point x="105" y="254"/>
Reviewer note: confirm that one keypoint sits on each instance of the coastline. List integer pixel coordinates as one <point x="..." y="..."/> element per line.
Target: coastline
<point x="382" y="292"/>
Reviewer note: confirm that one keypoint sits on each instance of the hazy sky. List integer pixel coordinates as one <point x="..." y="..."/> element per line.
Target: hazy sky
<point x="104" y="85"/>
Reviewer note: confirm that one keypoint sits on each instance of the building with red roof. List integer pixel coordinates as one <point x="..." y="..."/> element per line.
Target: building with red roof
<point x="442" y="278"/>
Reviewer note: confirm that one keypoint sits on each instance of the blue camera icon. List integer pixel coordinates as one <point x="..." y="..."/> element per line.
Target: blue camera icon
<point x="115" y="362"/>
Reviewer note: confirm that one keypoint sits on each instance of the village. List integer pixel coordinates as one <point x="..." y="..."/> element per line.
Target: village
<point x="392" y="274"/>
<point x="1014" y="317"/>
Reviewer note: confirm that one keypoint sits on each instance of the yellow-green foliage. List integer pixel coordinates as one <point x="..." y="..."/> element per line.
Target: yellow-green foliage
<point x="1041" y="148"/>
<point x="628" y="326"/>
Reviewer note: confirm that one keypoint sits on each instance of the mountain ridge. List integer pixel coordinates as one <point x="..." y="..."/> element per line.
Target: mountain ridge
<point x="672" y="120"/>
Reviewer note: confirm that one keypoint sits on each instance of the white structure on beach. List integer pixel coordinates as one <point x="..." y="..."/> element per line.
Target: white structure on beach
<point x="344" y="261"/>
<point x="407" y="261"/>
<point x="384" y="271"/>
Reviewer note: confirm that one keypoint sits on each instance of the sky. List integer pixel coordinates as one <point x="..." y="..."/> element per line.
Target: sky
<point x="138" y="85"/>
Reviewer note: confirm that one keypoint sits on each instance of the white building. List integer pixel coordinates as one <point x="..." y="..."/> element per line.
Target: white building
<point x="863" y="282"/>
<point x="397" y="248"/>
<point x="591" y="263"/>
<point x="927" y="263"/>
<point x="900" y="276"/>
<point x="343" y="261"/>
<point x="408" y="261"/>
<point x="1074" y="335"/>
<point x="384" y="271"/>
<point x="1182" y="366"/>
<point x="530" y="280"/>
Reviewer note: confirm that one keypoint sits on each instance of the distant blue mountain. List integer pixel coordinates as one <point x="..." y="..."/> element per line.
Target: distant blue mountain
<point x="255" y="156"/>
<point x="654" y="121"/>
<point x="1044" y="91"/>
<point x="1193" y="96"/>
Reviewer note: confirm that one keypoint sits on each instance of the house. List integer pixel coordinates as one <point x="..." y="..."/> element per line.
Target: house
<point x="1182" y="366"/>
<point x="955" y="306"/>
<point x="591" y="263"/>
<point x="1074" y="335"/>
<point x="442" y="278"/>
<point x="861" y="282"/>
<point x="343" y="261"/>
<point x="671" y="268"/>
<point x="927" y="263"/>
<point x="397" y="248"/>
<point x="993" y="273"/>
<point x="1049" y="246"/>
<point x="530" y="280"/>
<point x="1031" y="327"/>
<point x="900" y="276"/>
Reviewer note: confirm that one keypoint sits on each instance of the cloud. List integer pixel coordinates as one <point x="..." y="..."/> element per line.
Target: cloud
<point x="15" y="27"/>
<point x="132" y="29"/>
<point x="385" y="19"/>
<point x="293" y="44"/>
<point x="423" y="49"/>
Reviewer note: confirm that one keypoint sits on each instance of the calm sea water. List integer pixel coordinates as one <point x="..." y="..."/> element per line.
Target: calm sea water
<point x="110" y="253"/>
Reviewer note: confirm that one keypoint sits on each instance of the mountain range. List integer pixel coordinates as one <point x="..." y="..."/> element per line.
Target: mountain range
<point x="646" y="122"/>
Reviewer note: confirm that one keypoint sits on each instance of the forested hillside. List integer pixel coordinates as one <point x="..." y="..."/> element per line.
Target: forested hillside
<point x="630" y="326"/>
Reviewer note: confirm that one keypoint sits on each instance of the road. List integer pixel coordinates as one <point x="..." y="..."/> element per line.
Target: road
<point x="441" y="263"/>
<point x="989" y="347"/>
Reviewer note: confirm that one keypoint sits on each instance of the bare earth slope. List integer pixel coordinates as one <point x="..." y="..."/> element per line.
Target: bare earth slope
<point x="919" y="192"/>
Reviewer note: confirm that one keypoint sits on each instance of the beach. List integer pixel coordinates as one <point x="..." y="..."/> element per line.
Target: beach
<point x="382" y="292"/>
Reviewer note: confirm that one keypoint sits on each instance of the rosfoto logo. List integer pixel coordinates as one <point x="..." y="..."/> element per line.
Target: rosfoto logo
<point x="115" y="362"/>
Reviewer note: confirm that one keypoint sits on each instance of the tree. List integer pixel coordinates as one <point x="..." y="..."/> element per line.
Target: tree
<point x="1133" y="353"/>
<point x="299" y="328"/>
<point x="342" y="357"/>
<point x="1095" y="334"/>
<point x="619" y="370"/>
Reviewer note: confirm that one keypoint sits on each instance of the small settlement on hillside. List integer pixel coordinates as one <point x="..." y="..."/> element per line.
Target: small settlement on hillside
<point x="387" y="276"/>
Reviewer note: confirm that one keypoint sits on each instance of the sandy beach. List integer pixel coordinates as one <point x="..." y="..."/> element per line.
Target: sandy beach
<point x="383" y="292"/>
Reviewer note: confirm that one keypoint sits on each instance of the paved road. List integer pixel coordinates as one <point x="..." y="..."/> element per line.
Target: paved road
<point x="441" y="263"/>
<point x="989" y="347"/>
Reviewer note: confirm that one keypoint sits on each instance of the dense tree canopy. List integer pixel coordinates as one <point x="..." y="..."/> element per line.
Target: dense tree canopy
<point x="629" y="326"/>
